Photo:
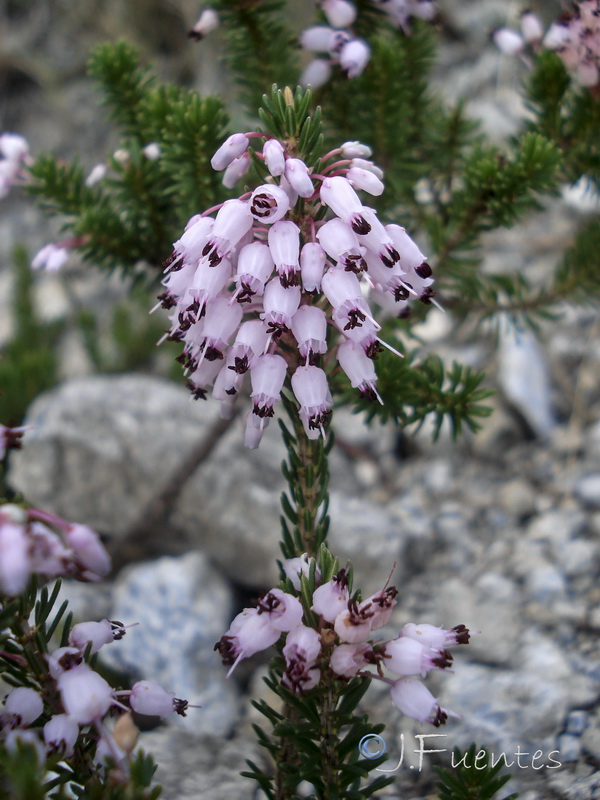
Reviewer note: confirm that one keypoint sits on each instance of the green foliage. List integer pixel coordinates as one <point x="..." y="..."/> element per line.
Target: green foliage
<point x="413" y="390"/>
<point x="138" y="211"/>
<point x="306" y="471"/>
<point x="259" y="47"/>
<point x="467" y="782"/>
<point x="286" y="116"/>
<point x="31" y="626"/>
<point x="316" y="736"/>
<point x="567" y="114"/>
<point x="28" y="361"/>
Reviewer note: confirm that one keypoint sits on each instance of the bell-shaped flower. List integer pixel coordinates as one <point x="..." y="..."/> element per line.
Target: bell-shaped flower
<point x="283" y="610"/>
<point x="404" y="656"/>
<point x="382" y="604"/>
<point x="339" y="13"/>
<point x="50" y="258"/>
<point x="508" y="42"/>
<point x="316" y="73"/>
<point x="207" y="22"/>
<point x="150" y="699"/>
<point x="207" y="282"/>
<point x="295" y="567"/>
<point x="411" y="256"/>
<point x="284" y="244"/>
<point x="89" y="553"/>
<point x="309" y="326"/>
<point x="236" y="170"/>
<point x="531" y="27"/>
<point x="331" y="598"/>
<point x="95" y="633"/>
<point x="354" y="57"/>
<point x="355" y="150"/>
<point x="48" y="555"/>
<point x="63" y="659"/>
<point x="249" y="633"/>
<point x="367" y="166"/>
<point x="232" y="148"/>
<point x="21" y="707"/>
<point x="85" y="695"/>
<point x="416" y="701"/>
<point x="312" y="392"/>
<point x="366" y="180"/>
<point x="312" y="266"/>
<point x="269" y="203"/>
<point x="316" y="38"/>
<point x="15" y="562"/>
<point x="338" y="194"/>
<point x="202" y="377"/>
<point x="378" y="240"/>
<point x="353" y="624"/>
<point x="274" y="155"/>
<point x="220" y="323"/>
<point x="348" y="659"/>
<point x="434" y="637"/>
<point x="340" y="243"/>
<point x="193" y="240"/>
<point x="301" y="650"/>
<point x="359" y="369"/>
<point x="267" y="376"/>
<point x="232" y="222"/>
<point x="60" y="735"/>
<point x="254" y="268"/>
<point x="280" y="304"/>
<point x="298" y="175"/>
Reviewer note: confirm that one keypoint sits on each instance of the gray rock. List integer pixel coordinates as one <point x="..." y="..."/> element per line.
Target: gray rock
<point x="183" y="607"/>
<point x="102" y="447"/>
<point x="576" y="722"/>
<point x="207" y="767"/>
<point x="525" y="380"/>
<point x="587" y="489"/>
<point x="569" y="748"/>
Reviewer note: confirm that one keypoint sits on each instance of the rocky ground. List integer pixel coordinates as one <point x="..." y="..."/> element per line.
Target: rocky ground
<point x="499" y="531"/>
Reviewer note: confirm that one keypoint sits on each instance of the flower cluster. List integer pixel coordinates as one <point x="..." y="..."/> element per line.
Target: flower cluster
<point x="79" y="699"/>
<point x="341" y="647"/>
<point x="254" y="289"/>
<point x="336" y="45"/>
<point x="574" y="37"/>
<point x="36" y="542"/>
<point x="14" y="152"/>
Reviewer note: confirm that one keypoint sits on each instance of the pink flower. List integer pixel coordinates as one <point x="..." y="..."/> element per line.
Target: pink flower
<point x="302" y="648"/>
<point x="85" y="695"/>
<point x="331" y="598"/>
<point x="416" y="701"/>
<point x="60" y="735"/>
<point x="150" y="699"/>
<point x="249" y="633"/>
<point x="22" y="707"/>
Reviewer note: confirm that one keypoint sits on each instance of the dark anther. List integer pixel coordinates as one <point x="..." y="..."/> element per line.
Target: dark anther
<point x="424" y="270"/>
<point x="175" y="336"/>
<point x="241" y="365"/>
<point x="231" y="392"/>
<point x="166" y="300"/>
<point x="197" y="392"/>
<point x="314" y="359"/>
<point x="212" y="354"/>
<point x="268" y="603"/>
<point x="443" y="660"/>
<point x="118" y="629"/>
<point x="440" y="718"/>
<point x="368" y="394"/>
<point x="462" y="634"/>
<point x="263" y="411"/>
<point x="341" y="578"/>
<point x="291" y="279"/>
<point x="401" y="293"/>
<point x="355" y="319"/>
<point x="180" y="706"/>
<point x="428" y="293"/>
<point x="361" y="226"/>
<point x="355" y="264"/>
<point x="372" y="351"/>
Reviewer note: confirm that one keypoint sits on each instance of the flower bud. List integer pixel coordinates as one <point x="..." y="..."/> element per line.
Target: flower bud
<point x="339" y="13"/>
<point x="298" y="175"/>
<point x="232" y="147"/>
<point x="236" y="170"/>
<point x="274" y="156"/>
<point x="312" y="266"/>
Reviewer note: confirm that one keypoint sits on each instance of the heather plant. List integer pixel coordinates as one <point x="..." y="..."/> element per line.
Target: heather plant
<point x="288" y="259"/>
